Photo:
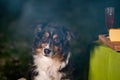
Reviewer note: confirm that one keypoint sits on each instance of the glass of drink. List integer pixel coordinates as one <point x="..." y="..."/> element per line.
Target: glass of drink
<point x="109" y="17"/>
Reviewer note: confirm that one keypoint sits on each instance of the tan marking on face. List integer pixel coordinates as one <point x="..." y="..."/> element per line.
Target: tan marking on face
<point x="58" y="57"/>
<point x="55" y="36"/>
<point x="43" y="45"/>
<point x="46" y="34"/>
<point x="56" y="48"/>
<point x="39" y="51"/>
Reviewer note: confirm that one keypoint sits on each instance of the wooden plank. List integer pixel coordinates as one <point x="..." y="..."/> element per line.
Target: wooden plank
<point x="114" y="45"/>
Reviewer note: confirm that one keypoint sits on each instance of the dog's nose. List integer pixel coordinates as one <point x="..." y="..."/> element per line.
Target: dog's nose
<point x="47" y="51"/>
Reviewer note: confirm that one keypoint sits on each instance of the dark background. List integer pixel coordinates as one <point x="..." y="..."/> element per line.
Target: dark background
<point x="85" y="17"/>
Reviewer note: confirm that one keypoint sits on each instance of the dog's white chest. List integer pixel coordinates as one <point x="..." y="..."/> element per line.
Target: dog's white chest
<point x="47" y="69"/>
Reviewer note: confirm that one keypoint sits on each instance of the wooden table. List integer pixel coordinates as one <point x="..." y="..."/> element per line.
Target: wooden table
<point x="105" y="40"/>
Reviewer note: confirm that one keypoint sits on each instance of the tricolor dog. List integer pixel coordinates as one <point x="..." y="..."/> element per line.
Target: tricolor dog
<point x="51" y="52"/>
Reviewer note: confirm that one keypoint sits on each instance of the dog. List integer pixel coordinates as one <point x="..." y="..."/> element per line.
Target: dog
<point x="51" y="53"/>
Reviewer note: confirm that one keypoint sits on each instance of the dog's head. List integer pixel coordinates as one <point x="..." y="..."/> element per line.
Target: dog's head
<point x="52" y="40"/>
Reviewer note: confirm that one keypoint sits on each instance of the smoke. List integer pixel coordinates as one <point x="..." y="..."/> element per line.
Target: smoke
<point x="33" y="11"/>
<point x="84" y="16"/>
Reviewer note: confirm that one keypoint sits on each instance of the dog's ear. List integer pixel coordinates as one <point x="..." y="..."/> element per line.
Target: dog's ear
<point x="70" y="35"/>
<point x="39" y="27"/>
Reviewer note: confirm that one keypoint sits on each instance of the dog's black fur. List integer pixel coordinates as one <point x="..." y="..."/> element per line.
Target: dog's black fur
<point x="51" y="53"/>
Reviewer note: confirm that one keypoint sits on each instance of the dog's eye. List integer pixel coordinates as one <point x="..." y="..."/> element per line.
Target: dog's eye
<point x="56" y="40"/>
<point x="44" y="39"/>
